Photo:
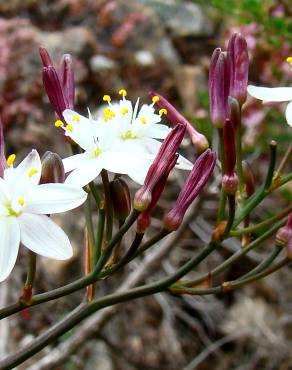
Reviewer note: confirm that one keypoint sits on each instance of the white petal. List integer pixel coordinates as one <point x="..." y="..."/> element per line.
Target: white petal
<point x="41" y="235"/>
<point x="84" y="174"/>
<point x="183" y="163"/>
<point x="9" y="245"/>
<point x="83" y="131"/>
<point x="74" y="161"/>
<point x="158" y="131"/>
<point x="54" y="198"/>
<point x="289" y="113"/>
<point x="139" y="176"/>
<point x="270" y="94"/>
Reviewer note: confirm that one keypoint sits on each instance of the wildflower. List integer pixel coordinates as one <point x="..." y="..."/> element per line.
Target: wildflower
<point x="197" y="179"/>
<point x="24" y="205"/>
<point x="200" y="142"/>
<point x="97" y="140"/>
<point x="230" y="179"/>
<point x="274" y="94"/>
<point x="219" y="84"/>
<point x="159" y="170"/>
<point x="59" y="85"/>
<point x="239" y="63"/>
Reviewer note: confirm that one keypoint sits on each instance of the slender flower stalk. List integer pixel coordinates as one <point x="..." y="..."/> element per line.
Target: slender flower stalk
<point x="197" y="179"/>
<point x="59" y="85"/>
<point x="230" y="179"/>
<point x="199" y="140"/>
<point x="159" y="168"/>
<point x="219" y="85"/>
<point x="239" y="64"/>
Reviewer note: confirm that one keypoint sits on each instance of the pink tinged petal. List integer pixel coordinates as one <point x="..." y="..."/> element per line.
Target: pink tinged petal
<point x="85" y="173"/>
<point x="289" y="114"/>
<point x="10" y="238"/>
<point x="41" y="235"/>
<point x="74" y="161"/>
<point x="270" y="94"/>
<point x="54" y="198"/>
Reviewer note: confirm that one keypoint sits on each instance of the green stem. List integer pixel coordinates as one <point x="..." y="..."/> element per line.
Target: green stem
<point x="283" y="163"/>
<point x="95" y="194"/>
<point x="26" y="293"/>
<point x="231" y="214"/>
<point x="237" y="255"/>
<point x="99" y="234"/>
<point x="89" y="224"/>
<point x="108" y="206"/>
<point x="78" y="284"/>
<point x="262" y="224"/>
<point x="272" y="165"/>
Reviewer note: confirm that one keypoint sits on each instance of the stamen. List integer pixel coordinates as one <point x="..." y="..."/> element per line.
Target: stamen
<point x="69" y="128"/>
<point x="162" y="111"/>
<point x="289" y="60"/>
<point x="128" y="135"/>
<point x="21" y="201"/>
<point x="155" y="99"/>
<point x="11" y="159"/>
<point x="59" y="123"/>
<point x="123" y="92"/>
<point x="108" y="114"/>
<point x="75" y="118"/>
<point x="124" y="111"/>
<point x="106" y="98"/>
<point x="32" y="172"/>
<point x="143" y="120"/>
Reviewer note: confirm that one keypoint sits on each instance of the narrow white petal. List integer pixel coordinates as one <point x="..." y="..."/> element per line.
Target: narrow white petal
<point x="289" y="113"/>
<point x="54" y="198"/>
<point x="270" y="94"/>
<point x="9" y="245"/>
<point x="84" y="174"/>
<point x="41" y="235"/>
<point x="139" y="176"/>
<point x="74" y="161"/>
<point x="158" y="131"/>
<point x="183" y="163"/>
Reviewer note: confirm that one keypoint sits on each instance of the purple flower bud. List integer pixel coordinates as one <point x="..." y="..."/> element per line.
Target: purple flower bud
<point x="52" y="168"/>
<point x="121" y="198"/>
<point x="59" y="87"/>
<point x="284" y="236"/>
<point x="230" y="179"/>
<point x="161" y="166"/>
<point x="197" y="179"/>
<point x="219" y="82"/>
<point x="239" y="64"/>
<point x="200" y="142"/>
<point x="2" y="154"/>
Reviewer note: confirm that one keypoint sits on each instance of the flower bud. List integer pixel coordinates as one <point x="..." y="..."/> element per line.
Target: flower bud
<point x="239" y="64"/>
<point x="219" y="82"/>
<point x="230" y="179"/>
<point x="235" y="113"/>
<point x="121" y="198"/>
<point x="195" y="182"/>
<point x="52" y="168"/>
<point x="284" y="236"/>
<point x="199" y="140"/>
<point x="66" y="76"/>
<point x="2" y="155"/>
<point x="158" y="172"/>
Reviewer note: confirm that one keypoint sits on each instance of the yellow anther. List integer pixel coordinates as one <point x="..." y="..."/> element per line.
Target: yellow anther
<point x="108" y="114"/>
<point x="124" y="111"/>
<point x="123" y="92"/>
<point x="69" y="128"/>
<point x="32" y="172"/>
<point x="21" y="201"/>
<point x="155" y="99"/>
<point x="143" y="120"/>
<point x="75" y="118"/>
<point x="59" y="123"/>
<point x="106" y="98"/>
<point x="11" y="159"/>
<point x="289" y="60"/>
<point x="162" y="111"/>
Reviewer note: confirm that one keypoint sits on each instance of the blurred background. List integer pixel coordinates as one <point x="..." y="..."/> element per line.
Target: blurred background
<point x="142" y="45"/>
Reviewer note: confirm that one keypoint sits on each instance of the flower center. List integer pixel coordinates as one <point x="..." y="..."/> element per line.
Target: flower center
<point x="95" y="153"/>
<point x="128" y="135"/>
<point x="11" y="211"/>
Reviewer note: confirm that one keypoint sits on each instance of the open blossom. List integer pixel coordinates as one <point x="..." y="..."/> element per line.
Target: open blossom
<point x="123" y="140"/>
<point x="274" y="94"/>
<point x="24" y="206"/>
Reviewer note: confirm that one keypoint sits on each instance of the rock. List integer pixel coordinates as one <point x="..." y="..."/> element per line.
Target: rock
<point x="100" y="63"/>
<point x="182" y="19"/>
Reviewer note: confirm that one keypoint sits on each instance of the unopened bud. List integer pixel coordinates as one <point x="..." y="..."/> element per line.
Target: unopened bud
<point x="52" y="168"/>
<point x="143" y="222"/>
<point x="230" y="183"/>
<point x="121" y="198"/>
<point x="284" y="236"/>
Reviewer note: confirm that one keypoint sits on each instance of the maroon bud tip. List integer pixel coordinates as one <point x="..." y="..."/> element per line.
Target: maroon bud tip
<point x="121" y="198"/>
<point x="284" y="236"/>
<point x="230" y="183"/>
<point x="52" y="168"/>
<point x="143" y="222"/>
<point x="46" y="59"/>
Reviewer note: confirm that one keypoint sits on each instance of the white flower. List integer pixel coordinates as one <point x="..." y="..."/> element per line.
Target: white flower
<point x="123" y="140"/>
<point x="276" y="94"/>
<point x="24" y="205"/>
